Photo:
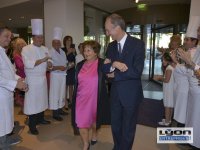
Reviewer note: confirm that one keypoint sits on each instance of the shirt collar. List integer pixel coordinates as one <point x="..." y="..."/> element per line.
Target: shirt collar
<point x="3" y="48"/>
<point x="122" y="41"/>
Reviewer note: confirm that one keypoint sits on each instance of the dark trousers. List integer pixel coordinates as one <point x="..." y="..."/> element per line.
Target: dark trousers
<point x="35" y="119"/>
<point x="3" y="143"/>
<point x="123" y="123"/>
<point x="56" y="113"/>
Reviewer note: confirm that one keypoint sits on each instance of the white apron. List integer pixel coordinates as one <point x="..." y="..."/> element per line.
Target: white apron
<point x="36" y="99"/>
<point x="180" y="96"/>
<point x="8" y="83"/>
<point x="193" y="108"/>
<point x="57" y="92"/>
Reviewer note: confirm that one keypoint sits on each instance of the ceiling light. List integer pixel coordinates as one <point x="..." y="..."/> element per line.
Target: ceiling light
<point x="136" y="1"/>
<point x="22" y="17"/>
<point x="10" y="19"/>
<point x="142" y="7"/>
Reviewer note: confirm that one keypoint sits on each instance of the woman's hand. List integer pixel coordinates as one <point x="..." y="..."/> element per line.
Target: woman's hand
<point x="173" y="56"/>
<point x="111" y="75"/>
<point x="70" y="65"/>
<point x="62" y="68"/>
<point x="107" y="61"/>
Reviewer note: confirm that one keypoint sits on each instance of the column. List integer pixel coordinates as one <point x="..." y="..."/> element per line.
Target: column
<point x="67" y="14"/>
<point x="194" y="8"/>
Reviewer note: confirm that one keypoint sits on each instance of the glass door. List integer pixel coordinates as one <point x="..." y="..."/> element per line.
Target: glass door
<point x="160" y="38"/>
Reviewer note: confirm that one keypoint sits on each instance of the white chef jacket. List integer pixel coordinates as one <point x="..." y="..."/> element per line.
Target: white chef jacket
<point x="57" y="92"/>
<point x="36" y="99"/>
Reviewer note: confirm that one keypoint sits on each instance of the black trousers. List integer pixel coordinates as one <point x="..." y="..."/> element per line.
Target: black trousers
<point x="35" y="119"/>
<point x="3" y="143"/>
<point x="56" y="113"/>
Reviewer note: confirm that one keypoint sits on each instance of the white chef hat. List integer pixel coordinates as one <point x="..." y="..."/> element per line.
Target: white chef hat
<point x="37" y="26"/>
<point x="57" y="33"/>
<point x="193" y="26"/>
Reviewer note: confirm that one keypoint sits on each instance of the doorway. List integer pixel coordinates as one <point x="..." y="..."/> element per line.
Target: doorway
<point x="159" y="38"/>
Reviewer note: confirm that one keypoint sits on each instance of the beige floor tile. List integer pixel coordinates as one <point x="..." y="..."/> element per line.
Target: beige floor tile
<point x="59" y="136"/>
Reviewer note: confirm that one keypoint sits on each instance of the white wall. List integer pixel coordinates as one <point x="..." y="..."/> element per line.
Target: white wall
<point x="67" y="14"/>
<point x="194" y="8"/>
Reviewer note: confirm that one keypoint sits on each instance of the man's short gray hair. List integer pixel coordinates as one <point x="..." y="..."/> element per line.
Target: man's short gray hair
<point x="117" y="20"/>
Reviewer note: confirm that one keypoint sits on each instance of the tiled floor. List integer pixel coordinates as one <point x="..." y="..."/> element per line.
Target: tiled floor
<point x="59" y="135"/>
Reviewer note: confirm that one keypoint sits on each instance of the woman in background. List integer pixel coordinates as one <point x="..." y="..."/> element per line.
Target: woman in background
<point x="18" y="44"/>
<point x="69" y="49"/>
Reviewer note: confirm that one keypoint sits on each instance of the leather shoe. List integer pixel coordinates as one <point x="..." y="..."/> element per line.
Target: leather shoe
<point x="34" y="131"/>
<point x="44" y="122"/>
<point x="58" y="118"/>
<point x="93" y="142"/>
<point x="61" y="112"/>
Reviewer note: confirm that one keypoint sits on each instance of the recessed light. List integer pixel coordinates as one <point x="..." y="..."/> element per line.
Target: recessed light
<point x="22" y="17"/>
<point x="10" y="19"/>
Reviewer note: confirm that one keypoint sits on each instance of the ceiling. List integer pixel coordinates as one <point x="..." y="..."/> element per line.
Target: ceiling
<point x="114" y="5"/>
<point x="17" y="13"/>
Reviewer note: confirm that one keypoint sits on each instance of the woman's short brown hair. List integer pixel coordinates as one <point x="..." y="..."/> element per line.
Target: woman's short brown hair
<point x="94" y="45"/>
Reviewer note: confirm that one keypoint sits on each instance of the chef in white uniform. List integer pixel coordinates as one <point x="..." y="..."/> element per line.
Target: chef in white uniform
<point x="36" y="60"/>
<point x="58" y="76"/>
<point x="193" y="61"/>
<point x="8" y="82"/>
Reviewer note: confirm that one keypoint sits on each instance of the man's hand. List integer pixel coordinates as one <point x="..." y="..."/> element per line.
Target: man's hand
<point x="121" y="66"/>
<point x="49" y="65"/>
<point x="197" y="73"/>
<point x="185" y="56"/>
<point x="47" y="57"/>
<point x="21" y="85"/>
<point x="62" y="68"/>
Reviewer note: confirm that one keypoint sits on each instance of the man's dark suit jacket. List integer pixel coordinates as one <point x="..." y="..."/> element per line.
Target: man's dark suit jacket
<point x="128" y="83"/>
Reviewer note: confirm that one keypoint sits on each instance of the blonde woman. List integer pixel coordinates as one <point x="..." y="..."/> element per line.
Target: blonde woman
<point x="18" y="44"/>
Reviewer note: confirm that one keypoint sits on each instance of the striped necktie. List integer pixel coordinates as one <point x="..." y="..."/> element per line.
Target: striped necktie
<point x="119" y="48"/>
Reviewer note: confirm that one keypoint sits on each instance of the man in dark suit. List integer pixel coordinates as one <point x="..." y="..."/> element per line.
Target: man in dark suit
<point x="124" y="62"/>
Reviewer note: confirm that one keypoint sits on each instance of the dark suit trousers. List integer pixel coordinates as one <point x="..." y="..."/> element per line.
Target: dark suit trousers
<point x="123" y="122"/>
